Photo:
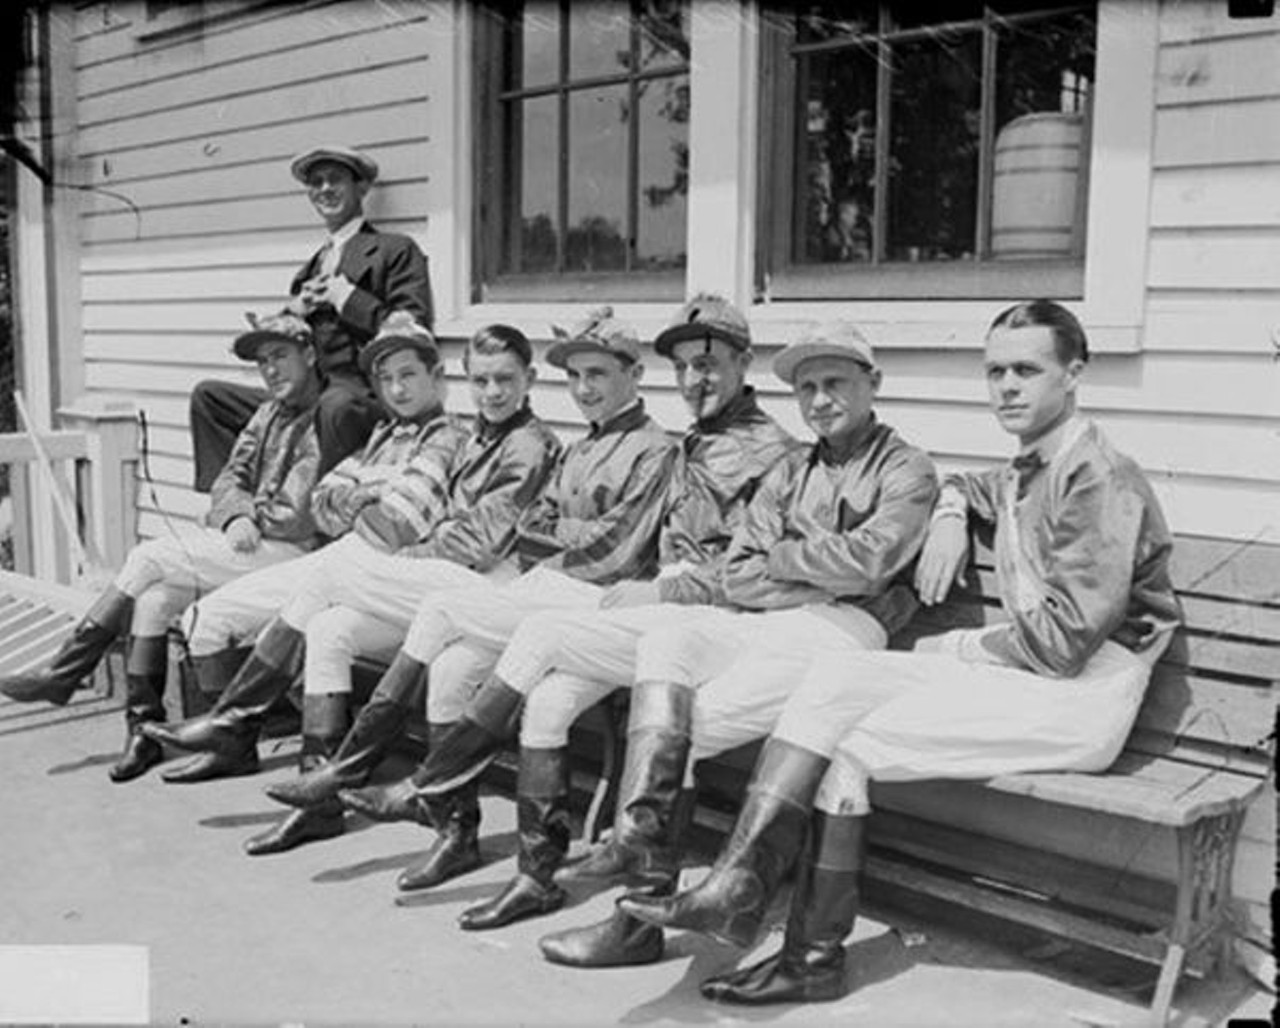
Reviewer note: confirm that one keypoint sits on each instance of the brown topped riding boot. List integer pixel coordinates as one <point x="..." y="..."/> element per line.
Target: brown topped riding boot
<point x="146" y="668"/>
<point x="400" y="692"/>
<point x="542" y="819"/>
<point x="228" y="734"/>
<point x="810" y="966"/>
<point x="731" y="902"/>
<point x="325" y="717"/>
<point x="492" y="718"/>
<point x="102" y="624"/>
<point x="642" y="846"/>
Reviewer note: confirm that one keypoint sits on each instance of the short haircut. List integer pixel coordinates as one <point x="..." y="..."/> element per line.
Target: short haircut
<point x="500" y="339"/>
<point x="1069" y="342"/>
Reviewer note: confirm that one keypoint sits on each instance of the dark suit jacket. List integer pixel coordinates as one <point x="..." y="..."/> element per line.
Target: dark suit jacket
<point x="389" y="273"/>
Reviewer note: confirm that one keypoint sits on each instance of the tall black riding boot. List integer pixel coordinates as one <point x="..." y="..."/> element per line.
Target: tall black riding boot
<point x="456" y="816"/>
<point x="400" y="692"/>
<point x="492" y="717"/>
<point x="642" y="847"/>
<point x="146" y="667"/>
<point x="731" y="902"/>
<point x="325" y="717"/>
<point x="810" y="966"/>
<point x="228" y="734"/>
<point x="75" y="660"/>
<point x="542" y="818"/>
<point x="621" y="940"/>
<point x="207" y="677"/>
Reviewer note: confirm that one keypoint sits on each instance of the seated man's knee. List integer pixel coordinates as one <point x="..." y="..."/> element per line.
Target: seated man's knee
<point x="452" y="680"/>
<point x="671" y="654"/>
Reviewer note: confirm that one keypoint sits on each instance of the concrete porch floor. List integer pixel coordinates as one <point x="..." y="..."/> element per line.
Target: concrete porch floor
<point x="316" y="936"/>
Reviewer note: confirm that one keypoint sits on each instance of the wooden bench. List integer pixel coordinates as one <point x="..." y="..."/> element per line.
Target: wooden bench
<point x="1136" y="861"/>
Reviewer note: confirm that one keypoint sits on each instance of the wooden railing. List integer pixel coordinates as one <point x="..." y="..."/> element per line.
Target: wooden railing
<point x="93" y="455"/>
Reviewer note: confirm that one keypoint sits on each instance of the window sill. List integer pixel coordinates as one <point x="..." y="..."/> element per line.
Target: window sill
<point x="602" y="287"/>
<point x="953" y="280"/>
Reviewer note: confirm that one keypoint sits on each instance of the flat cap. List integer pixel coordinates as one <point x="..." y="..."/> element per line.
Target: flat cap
<point x="832" y="339"/>
<point x="599" y="332"/>
<point x="362" y="165"/>
<point x="271" y="328"/>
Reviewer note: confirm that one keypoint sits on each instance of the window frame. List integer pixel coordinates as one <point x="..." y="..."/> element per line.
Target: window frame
<point x="725" y="192"/>
<point x="490" y="206"/>
<point x="779" y="276"/>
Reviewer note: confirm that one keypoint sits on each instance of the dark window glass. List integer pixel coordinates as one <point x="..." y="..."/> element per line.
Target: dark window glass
<point x="584" y="138"/>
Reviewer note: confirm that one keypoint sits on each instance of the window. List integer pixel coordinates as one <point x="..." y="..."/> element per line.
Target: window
<point x="583" y="149"/>
<point x="916" y="157"/>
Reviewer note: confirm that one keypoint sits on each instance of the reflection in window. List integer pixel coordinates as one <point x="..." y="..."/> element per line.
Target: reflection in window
<point x="919" y="140"/>
<point x="587" y="146"/>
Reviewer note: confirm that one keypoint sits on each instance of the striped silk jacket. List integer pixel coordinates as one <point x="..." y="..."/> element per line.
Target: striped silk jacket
<point x="722" y="460"/>
<point x="599" y="518"/>
<point x="396" y="490"/>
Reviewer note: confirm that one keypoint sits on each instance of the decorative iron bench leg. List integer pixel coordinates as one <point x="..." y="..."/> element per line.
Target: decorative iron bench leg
<point x="1206" y="853"/>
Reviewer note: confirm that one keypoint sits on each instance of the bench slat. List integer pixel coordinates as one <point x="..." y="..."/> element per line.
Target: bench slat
<point x="1200" y="753"/>
<point x="1235" y="571"/>
<point x="1209" y="709"/>
<point x="1149" y="789"/>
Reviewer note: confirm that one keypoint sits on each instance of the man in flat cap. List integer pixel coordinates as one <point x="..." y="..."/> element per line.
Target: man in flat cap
<point x="260" y="515"/>
<point x="344" y="291"/>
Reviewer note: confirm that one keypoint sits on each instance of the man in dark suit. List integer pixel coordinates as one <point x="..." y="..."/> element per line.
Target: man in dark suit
<point x="354" y="280"/>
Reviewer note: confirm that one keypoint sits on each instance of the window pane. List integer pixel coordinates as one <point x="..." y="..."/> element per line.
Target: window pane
<point x="664" y="173"/>
<point x="1044" y="81"/>
<point x="539" y="30"/>
<point x="934" y="144"/>
<point x="816" y="23"/>
<point x="836" y="190"/>
<point x="597" y="223"/>
<point x="535" y="127"/>
<point x="664" y="33"/>
<point x="599" y="39"/>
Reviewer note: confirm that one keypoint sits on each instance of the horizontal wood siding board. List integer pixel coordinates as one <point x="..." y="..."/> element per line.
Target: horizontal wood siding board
<point x="1209" y="321"/>
<point x="359" y="89"/>
<point x="398" y="203"/>
<point x="1208" y="135"/>
<point x="399" y="161"/>
<point x="302" y="53"/>
<point x="1235" y="258"/>
<point x="1218" y="567"/>
<point x="1199" y="22"/>
<point x="1236" y="196"/>
<point x="266" y="145"/>
<point x="1223" y="70"/>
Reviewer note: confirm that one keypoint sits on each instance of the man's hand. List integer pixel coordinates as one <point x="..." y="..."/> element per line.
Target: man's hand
<point x="942" y="560"/>
<point x="631" y="594"/>
<point x="325" y="290"/>
<point x="243" y="535"/>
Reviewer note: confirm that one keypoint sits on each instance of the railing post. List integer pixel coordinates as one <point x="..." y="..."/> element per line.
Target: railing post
<point x="111" y="437"/>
